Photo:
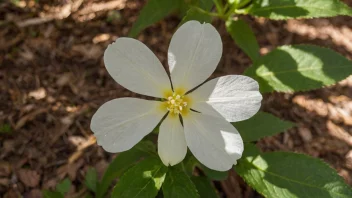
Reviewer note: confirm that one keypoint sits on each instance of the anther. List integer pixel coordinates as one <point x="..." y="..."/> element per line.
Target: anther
<point x="175" y="103"/>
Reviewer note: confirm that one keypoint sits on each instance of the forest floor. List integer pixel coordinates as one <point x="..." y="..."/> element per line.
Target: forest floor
<point x="53" y="79"/>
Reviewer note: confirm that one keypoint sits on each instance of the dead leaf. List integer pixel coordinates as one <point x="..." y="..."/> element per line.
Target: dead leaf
<point x="64" y="79"/>
<point x="4" y="182"/>
<point x="349" y="159"/>
<point x="35" y="193"/>
<point x="12" y="194"/>
<point x="305" y="134"/>
<point x="5" y="169"/>
<point x="21" y="122"/>
<point x="339" y="133"/>
<point x="38" y="94"/>
<point x="30" y="178"/>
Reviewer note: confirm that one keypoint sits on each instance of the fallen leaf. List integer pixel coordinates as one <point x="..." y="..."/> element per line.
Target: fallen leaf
<point x="35" y="193"/>
<point x="38" y="94"/>
<point x="5" y="169"/>
<point x="30" y="178"/>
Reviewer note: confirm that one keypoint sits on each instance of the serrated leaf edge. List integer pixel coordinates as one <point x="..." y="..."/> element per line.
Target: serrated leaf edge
<point x="304" y="184"/>
<point x="303" y="90"/>
<point x="130" y="170"/>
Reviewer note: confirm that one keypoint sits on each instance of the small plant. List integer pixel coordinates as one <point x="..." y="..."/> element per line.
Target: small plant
<point x="198" y="117"/>
<point x="60" y="190"/>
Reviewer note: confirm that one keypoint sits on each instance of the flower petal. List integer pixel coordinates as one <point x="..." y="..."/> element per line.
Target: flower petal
<point x="194" y="52"/>
<point x="121" y="123"/>
<point x="233" y="97"/>
<point x="212" y="140"/>
<point x="136" y="68"/>
<point x="172" y="147"/>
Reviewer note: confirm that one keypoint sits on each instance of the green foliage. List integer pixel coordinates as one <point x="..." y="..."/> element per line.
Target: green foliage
<point x="178" y="185"/>
<point x="287" y="9"/>
<point x="285" y="69"/>
<point x="188" y="164"/>
<point x="142" y="180"/>
<point x="91" y="179"/>
<point x="5" y="129"/>
<point x="290" y="175"/>
<point x="213" y="174"/>
<point x="206" y="4"/>
<point x="204" y="187"/>
<point x="198" y="11"/>
<point x="244" y="37"/>
<point x="64" y="186"/>
<point x="152" y="12"/>
<point x="61" y="188"/>
<point x="122" y="162"/>
<point x="299" y="68"/>
<point x="261" y="125"/>
<point x="196" y="14"/>
<point x="52" y="194"/>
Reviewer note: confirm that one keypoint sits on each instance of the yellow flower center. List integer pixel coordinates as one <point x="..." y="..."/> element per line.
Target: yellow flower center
<point x="176" y="103"/>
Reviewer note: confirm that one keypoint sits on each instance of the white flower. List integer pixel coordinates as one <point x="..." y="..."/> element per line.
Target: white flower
<point x="194" y="53"/>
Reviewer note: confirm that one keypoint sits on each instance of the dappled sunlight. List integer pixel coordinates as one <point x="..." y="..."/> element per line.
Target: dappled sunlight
<point x="324" y="31"/>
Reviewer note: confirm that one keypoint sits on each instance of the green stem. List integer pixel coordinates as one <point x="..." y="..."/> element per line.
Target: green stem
<point x="206" y="12"/>
<point x="243" y="3"/>
<point x="234" y="9"/>
<point x="219" y="6"/>
<point x="230" y="11"/>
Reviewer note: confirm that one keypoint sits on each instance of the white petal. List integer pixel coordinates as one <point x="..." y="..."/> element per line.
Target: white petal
<point x="121" y="123"/>
<point x="233" y="97"/>
<point x="194" y="52"/>
<point x="172" y="147"/>
<point x="136" y="68"/>
<point x="212" y="140"/>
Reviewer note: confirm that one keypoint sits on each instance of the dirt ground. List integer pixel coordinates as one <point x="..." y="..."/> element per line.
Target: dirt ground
<point x="53" y="79"/>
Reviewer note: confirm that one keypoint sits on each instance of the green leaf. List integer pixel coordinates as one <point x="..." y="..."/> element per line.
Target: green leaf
<point x="91" y="179"/>
<point x="261" y="125"/>
<point x="204" y="187"/>
<point x="178" y="185"/>
<point x="206" y="4"/>
<point x="188" y="164"/>
<point x="5" y="129"/>
<point x="122" y="162"/>
<point x="64" y="186"/>
<point x="152" y="12"/>
<point x="183" y="7"/>
<point x="142" y="180"/>
<point x="290" y="175"/>
<point x="250" y="149"/>
<point x="213" y="174"/>
<point x="244" y="37"/>
<point x="288" y="9"/>
<point x="194" y="13"/>
<point x="299" y="68"/>
<point x="52" y="194"/>
<point x="88" y="196"/>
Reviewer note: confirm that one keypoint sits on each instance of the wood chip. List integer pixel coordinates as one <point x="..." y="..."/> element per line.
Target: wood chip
<point x="305" y="134"/>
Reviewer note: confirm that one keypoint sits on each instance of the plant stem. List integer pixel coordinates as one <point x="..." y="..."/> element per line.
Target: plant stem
<point x="219" y="6"/>
<point x="243" y="3"/>
<point x="206" y="12"/>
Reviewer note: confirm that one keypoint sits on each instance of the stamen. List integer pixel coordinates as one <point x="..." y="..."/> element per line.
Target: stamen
<point x="175" y="103"/>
